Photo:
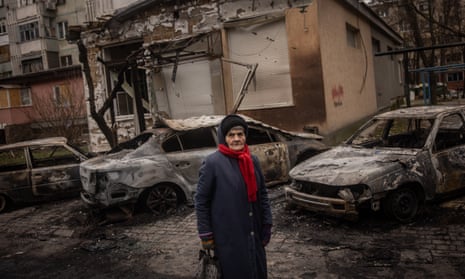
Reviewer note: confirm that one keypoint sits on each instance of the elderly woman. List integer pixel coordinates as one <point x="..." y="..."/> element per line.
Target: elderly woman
<point x="232" y="206"/>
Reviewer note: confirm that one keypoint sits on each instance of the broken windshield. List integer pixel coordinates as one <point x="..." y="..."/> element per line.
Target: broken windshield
<point x="395" y="132"/>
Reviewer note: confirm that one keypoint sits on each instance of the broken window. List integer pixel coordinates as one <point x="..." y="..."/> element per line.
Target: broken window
<point x="124" y="104"/>
<point x="171" y="144"/>
<point x="198" y="138"/>
<point x="258" y="136"/>
<point x="450" y="133"/>
<point x="48" y="156"/>
<point x="191" y="139"/>
<point x="396" y="132"/>
<point x="124" y="98"/>
<point x="12" y="160"/>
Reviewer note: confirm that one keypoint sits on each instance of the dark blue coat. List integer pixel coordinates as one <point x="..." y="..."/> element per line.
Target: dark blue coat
<point x="222" y="208"/>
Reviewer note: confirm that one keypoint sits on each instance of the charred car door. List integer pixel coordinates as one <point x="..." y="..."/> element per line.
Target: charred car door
<point x="55" y="171"/>
<point x="272" y="154"/>
<point x="449" y="153"/>
<point x="186" y="151"/>
<point x="14" y="174"/>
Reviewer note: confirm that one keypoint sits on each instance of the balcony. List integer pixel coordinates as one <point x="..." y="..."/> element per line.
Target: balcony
<point x="38" y="45"/>
<point x="30" y="11"/>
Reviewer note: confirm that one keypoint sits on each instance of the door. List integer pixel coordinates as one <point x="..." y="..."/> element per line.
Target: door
<point x="273" y="155"/>
<point x="449" y="154"/>
<point x="186" y="151"/>
<point x="55" y="171"/>
<point x="14" y="174"/>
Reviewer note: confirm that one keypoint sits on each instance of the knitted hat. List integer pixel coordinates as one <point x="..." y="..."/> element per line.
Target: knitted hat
<point x="231" y="121"/>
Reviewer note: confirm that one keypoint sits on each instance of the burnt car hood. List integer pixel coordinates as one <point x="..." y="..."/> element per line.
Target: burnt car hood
<point x="146" y="153"/>
<point x="346" y="165"/>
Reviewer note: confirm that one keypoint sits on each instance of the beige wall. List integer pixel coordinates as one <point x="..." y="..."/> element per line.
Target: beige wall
<point x="347" y="72"/>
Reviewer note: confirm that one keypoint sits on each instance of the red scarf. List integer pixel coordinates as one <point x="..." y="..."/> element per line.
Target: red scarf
<point x="246" y="167"/>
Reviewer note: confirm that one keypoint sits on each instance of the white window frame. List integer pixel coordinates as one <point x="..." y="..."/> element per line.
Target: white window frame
<point x="3" y="26"/>
<point x="29" y="31"/>
<point x="62" y="30"/>
<point x="68" y="59"/>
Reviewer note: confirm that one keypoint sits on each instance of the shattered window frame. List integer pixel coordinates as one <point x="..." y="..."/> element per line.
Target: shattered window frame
<point x="411" y="133"/>
<point x="450" y="133"/>
<point x="259" y="136"/>
<point x="124" y="102"/>
<point x="13" y="160"/>
<point x="52" y="155"/>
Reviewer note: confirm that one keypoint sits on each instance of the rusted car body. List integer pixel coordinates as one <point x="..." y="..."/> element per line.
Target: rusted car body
<point x="396" y="162"/>
<point x="39" y="170"/>
<point x="163" y="171"/>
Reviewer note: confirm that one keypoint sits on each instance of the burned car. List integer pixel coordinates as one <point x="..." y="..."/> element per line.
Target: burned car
<point x="395" y="162"/>
<point x="162" y="173"/>
<point x="39" y="170"/>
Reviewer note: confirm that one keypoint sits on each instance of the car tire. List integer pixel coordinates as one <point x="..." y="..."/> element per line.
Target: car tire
<point x="162" y="199"/>
<point x="403" y="204"/>
<point x="3" y="203"/>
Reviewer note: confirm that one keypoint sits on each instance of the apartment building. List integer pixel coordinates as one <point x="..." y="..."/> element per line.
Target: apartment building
<point x="40" y="73"/>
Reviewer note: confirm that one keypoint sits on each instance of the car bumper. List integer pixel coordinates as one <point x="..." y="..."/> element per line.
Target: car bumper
<point x="329" y="206"/>
<point x="87" y="198"/>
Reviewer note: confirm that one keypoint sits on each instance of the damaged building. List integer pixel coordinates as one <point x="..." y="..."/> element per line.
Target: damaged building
<point x="298" y="65"/>
<point x="41" y="87"/>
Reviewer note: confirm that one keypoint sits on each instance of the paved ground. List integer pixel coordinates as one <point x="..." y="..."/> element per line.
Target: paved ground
<point x="63" y="240"/>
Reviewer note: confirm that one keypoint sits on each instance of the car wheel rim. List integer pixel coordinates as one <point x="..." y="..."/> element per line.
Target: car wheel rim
<point x="405" y="205"/>
<point x="162" y="200"/>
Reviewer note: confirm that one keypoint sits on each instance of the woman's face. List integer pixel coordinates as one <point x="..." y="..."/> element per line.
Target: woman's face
<point x="235" y="138"/>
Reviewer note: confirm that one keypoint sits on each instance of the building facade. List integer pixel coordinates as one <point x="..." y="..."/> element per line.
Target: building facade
<point x="37" y="65"/>
<point x="315" y="68"/>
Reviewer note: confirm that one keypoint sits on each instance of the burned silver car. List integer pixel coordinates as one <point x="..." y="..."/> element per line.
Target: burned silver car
<point x="39" y="170"/>
<point x="396" y="162"/>
<point x="162" y="173"/>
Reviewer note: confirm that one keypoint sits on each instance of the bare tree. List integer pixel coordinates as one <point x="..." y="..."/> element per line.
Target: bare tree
<point x="62" y="113"/>
<point x="99" y="115"/>
<point x="432" y="22"/>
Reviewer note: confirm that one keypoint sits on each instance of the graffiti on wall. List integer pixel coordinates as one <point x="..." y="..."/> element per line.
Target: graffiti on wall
<point x="337" y="94"/>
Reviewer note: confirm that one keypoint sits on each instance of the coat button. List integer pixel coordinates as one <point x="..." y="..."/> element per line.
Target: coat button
<point x="250" y="213"/>
<point x="251" y="233"/>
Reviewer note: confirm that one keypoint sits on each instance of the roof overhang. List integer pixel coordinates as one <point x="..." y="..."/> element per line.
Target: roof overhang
<point x="43" y="76"/>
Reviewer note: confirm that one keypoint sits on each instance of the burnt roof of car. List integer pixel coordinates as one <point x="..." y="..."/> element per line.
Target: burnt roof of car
<point x="214" y="120"/>
<point x="420" y="111"/>
<point x="43" y="141"/>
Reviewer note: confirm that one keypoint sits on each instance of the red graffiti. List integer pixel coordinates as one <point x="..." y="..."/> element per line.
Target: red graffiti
<point x="338" y="95"/>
